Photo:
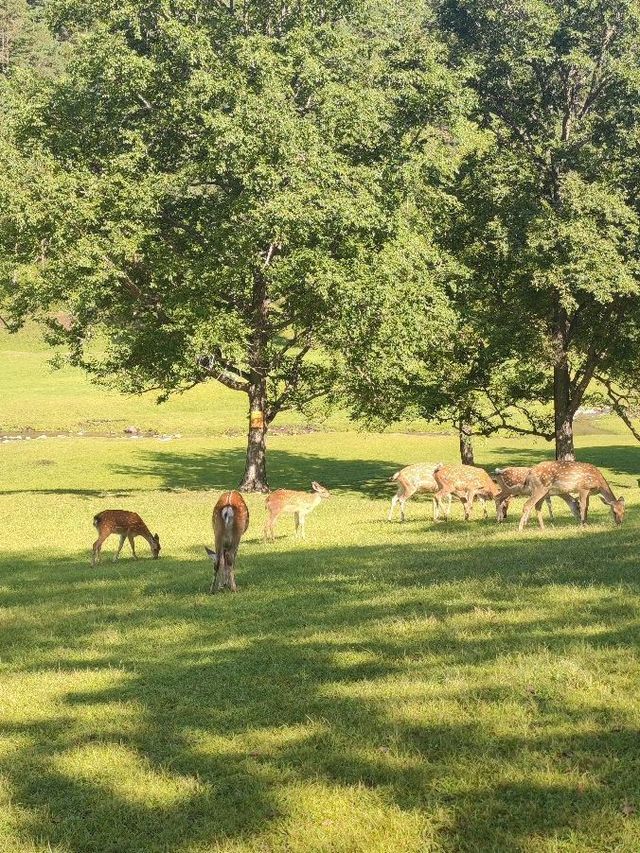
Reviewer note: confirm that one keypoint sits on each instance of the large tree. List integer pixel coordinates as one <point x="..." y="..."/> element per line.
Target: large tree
<point x="206" y="183"/>
<point x="550" y="223"/>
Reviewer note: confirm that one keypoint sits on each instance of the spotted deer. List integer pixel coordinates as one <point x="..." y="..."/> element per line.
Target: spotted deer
<point x="300" y="504"/>
<point x="467" y="483"/>
<point x="413" y="480"/>
<point x="566" y="478"/>
<point x="230" y="520"/>
<point x="127" y="525"/>
<point x="512" y="482"/>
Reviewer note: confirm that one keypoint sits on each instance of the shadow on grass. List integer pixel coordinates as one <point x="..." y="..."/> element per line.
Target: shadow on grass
<point x="619" y="459"/>
<point x="222" y="469"/>
<point x="327" y="669"/>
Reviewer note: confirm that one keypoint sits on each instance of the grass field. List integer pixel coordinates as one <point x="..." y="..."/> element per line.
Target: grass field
<point x="379" y="687"/>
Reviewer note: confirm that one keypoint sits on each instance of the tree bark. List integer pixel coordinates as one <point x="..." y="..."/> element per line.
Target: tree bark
<point x="255" y="472"/>
<point x="563" y="413"/>
<point x="466" y="443"/>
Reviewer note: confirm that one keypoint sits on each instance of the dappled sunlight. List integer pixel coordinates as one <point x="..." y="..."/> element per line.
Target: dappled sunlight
<point x="442" y="682"/>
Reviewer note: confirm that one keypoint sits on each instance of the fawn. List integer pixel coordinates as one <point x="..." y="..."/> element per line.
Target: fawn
<point x="230" y="520"/>
<point x="466" y="482"/>
<point x="512" y="482"/>
<point x="412" y="480"/>
<point x="127" y="525"/>
<point x="561" y="478"/>
<point x="298" y="503"/>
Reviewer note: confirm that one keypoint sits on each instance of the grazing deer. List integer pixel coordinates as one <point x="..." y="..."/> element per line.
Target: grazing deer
<point x="563" y="478"/>
<point x="298" y="503"/>
<point x="466" y="482"/>
<point x="127" y="525"/>
<point x="512" y="482"/>
<point x="230" y="520"/>
<point x="412" y="480"/>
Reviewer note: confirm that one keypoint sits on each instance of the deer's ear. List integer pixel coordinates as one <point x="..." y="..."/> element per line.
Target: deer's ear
<point x="210" y="553"/>
<point x="621" y="500"/>
<point x="316" y="486"/>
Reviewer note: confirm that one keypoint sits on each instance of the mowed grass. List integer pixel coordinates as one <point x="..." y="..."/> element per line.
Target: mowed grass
<point x="378" y="687"/>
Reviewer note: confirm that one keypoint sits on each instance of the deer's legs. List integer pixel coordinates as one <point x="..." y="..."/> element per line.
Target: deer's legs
<point x="269" y="535"/>
<point x="502" y="505"/>
<point x="123" y="536"/>
<point x="97" y="547"/>
<point x="584" y="506"/>
<point x="485" y="514"/>
<point x="548" y="503"/>
<point x="467" y="503"/>
<point x="402" y="501"/>
<point x="133" y="546"/>
<point x="301" y="517"/>
<point x="539" y="513"/>
<point x="436" y="508"/>
<point x="231" y="571"/>
<point x="394" y="501"/>
<point x="218" y="579"/>
<point x="438" y="498"/>
<point x="537" y="495"/>
<point x="448" y="509"/>
<point x="573" y="505"/>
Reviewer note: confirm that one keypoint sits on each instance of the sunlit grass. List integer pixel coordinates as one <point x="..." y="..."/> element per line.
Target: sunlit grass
<point x="379" y="686"/>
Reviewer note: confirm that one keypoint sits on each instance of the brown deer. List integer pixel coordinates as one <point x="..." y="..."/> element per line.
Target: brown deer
<point x="298" y="503"/>
<point x="564" y="478"/>
<point x="127" y="525"/>
<point x="230" y="520"/>
<point x="467" y="483"/>
<point x="412" y="480"/>
<point x="512" y="482"/>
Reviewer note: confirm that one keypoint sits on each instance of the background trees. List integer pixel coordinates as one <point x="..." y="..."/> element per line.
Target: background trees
<point x="422" y="208"/>
<point x="204" y="185"/>
<point x="550" y="213"/>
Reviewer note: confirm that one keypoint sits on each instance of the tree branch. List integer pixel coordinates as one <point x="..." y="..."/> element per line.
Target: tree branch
<point x="618" y="405"/>
<point x="227" y="374"/>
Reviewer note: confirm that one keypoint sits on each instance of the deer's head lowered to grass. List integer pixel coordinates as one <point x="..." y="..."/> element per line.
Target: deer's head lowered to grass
<point x="230" y="520"/>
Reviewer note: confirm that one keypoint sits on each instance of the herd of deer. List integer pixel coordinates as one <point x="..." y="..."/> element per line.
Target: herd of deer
<point x="466" y="482"/>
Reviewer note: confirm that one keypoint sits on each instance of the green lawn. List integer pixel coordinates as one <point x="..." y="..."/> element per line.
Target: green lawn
<point x="379" y="687"/>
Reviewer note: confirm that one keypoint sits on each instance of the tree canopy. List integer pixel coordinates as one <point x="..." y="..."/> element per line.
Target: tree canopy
<point x="209" y="190"/>
<point x="429" y="207"/>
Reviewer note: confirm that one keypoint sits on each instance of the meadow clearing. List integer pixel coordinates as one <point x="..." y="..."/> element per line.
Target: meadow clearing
<point x="378" y="687"/>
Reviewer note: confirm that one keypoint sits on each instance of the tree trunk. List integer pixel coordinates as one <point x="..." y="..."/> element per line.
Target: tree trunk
<point x="563" y="414"/>
<point x="255" y="471"/>
<point x="563" y="418"/>
<point x="466" y="443"/>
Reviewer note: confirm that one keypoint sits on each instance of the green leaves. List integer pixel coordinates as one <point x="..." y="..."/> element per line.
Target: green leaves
<point x="232" y="193"/>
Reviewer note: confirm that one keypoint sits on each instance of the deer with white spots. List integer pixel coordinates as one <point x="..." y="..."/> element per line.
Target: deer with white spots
<point x="513" y="483"/>
<point x="413" y="480"/>
<point x="127" y="525"/>
<point x="565" y="478"/>
<point x="466" y="482"/>
<point x="298" y="504"/>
